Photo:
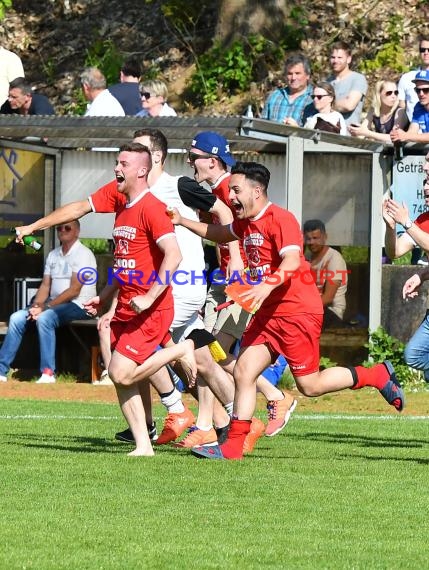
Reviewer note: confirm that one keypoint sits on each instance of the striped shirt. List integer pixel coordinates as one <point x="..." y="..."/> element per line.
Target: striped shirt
<point x="278" y="107"/>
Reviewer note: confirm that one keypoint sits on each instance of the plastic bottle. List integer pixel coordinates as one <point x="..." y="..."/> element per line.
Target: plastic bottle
<point x="249" y="112"/>
<point x="30" y="241"/>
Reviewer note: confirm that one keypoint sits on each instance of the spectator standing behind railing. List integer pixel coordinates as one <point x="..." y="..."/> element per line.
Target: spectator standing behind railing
<point x="127" y="90"/>
<point x="350" y="86"/>
<point x="383" y="116"/>
<point x="326" y="119"/>
<point x="10" y="68"/>
<point x="101" y="101"/>
<point x="154" y="95"/>
<point x="407" y="95"/>
<point x="22" y="100"/>
<point x="59" y="300"/>
<point x="418" y="131"/>
<point x="289" y="105"/>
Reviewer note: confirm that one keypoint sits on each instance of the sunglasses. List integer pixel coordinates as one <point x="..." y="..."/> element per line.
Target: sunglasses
<point x="389" y="93"/>
<point x="145" y="94"/>
<point x="65" y="228"/>
<point x="193" y="156"/>
<point x="424" y="50"/>
<point x="320" y="96"/>
<point x="419" y="90"/>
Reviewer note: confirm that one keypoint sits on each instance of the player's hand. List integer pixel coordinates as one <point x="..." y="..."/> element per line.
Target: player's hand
<point x="22" y="231"/>
<point x="411" y="287"/>
<point x="104" y="321"/>
<point x="93" y="306"/>
<point x="258" y="294"/>
<point x="173" y="214"/>
<point x="141" y="303"/>
<point x="235" y="267"/>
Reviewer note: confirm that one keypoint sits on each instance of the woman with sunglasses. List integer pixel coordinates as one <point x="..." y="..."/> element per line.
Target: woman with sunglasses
<point x="154" y="96"/>
<point x="383" y="116"/>
<point x="326" y="119"/>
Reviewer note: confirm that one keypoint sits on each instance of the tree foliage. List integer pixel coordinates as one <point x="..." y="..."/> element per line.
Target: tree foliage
<point x="4" y="6"/>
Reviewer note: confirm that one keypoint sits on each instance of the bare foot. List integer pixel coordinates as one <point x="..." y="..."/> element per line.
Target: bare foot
<point x="187" y="362"/>
<point x="142" y="452"/>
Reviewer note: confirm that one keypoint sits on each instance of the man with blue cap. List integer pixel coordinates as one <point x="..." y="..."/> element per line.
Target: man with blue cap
<point x="418" y="131"/>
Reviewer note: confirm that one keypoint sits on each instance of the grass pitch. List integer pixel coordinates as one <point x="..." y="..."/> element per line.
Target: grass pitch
<point x="331" y="491"/>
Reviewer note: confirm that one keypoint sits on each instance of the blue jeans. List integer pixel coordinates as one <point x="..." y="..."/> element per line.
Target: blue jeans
<point x="46" y="324"/>
<point x="416" y="352"/>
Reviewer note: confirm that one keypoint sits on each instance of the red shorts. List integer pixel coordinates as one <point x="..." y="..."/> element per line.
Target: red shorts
<point x="296" y="337"/>
<point x="139" y="337"/>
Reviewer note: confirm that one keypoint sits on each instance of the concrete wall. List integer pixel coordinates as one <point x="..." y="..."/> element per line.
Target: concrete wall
<point x="401" y="318"/>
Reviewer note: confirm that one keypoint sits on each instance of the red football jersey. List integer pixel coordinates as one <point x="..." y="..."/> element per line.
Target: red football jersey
<point x="265" y="239"/>
<point x="139" y="226"/>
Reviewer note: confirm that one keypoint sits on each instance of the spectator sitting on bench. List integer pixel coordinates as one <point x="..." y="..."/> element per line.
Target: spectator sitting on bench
<point x="330" y="271"/>
<point x="58" y="301"/>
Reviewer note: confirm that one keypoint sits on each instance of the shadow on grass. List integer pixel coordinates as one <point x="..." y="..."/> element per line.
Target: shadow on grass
<point x="76" y="444"/>
<point x="363" y="440"/>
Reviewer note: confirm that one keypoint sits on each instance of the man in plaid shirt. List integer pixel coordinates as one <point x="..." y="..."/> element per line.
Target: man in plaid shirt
<point x="292" y="104"/>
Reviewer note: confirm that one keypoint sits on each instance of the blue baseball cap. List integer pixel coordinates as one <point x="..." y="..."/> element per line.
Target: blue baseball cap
<point x="215" y="144"/>
<point x="422" y="75"/>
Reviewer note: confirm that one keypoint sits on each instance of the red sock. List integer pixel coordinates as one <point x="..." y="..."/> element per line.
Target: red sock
<point x="233" y="446"/>
<point x="376" y="376"/>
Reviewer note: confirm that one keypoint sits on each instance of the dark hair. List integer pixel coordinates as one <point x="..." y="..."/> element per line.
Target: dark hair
<point x="296" y="59"/>
<point x="132" y="67"/>
<point x="342" y="45"/>
<point x="253" y="171"/>
<point x="21" y="83"/>
<point x="328" y="88"/>
<point x="423" y="38"/>
<point x="139" y="148"/>
<point x="157" y="139"/>
<point x="313" y="225"/>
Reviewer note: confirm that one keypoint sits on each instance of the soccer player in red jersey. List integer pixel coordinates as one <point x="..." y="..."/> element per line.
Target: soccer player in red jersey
<point x="289" y="313"/>
<point x="145" y="247"/>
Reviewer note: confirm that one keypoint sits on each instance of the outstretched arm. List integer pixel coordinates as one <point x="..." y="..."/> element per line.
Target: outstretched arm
<point x="72" y="211"/>
<point x="213" y="232"/>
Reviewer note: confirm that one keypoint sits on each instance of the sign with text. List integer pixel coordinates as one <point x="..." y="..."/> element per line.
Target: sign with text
<point x="407" y="184"/>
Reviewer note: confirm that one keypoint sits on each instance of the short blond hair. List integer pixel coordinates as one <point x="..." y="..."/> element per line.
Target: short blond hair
<point x="155" y="87"/>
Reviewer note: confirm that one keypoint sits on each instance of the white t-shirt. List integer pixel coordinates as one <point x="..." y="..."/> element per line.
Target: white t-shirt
<point x="10" y="68"/>
<point x="332" y="266"/>
<point x="60" y="268"/>
<point x="105" y="105"/>
<point x="167" y="111"/>
<point x="407" y="93"/>
<point x="193" y="263"/>
<point x="333" y="117"/>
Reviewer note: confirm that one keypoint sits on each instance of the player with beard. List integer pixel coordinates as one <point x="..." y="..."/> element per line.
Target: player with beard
<point x="210" y="158"/>
<point x="289" y="313"/>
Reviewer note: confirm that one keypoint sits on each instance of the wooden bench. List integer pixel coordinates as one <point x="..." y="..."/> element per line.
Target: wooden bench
<point x="84" y="362"/>
<point x="86" y="335"/>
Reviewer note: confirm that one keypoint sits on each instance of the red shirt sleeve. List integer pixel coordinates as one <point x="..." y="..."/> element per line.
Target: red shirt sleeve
<point x="107" y="199"/>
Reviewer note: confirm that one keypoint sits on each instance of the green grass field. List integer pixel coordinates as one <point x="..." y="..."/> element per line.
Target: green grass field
<point x="331" y="491"/>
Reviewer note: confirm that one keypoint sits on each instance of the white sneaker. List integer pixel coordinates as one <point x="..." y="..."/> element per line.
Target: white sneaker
<point x="104" y="379"/>
<point x="47" y="377"/>
<point x="3" y="378"/>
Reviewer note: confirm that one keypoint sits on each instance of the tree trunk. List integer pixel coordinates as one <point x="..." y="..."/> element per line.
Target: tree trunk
<point x="239" y="18"/>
